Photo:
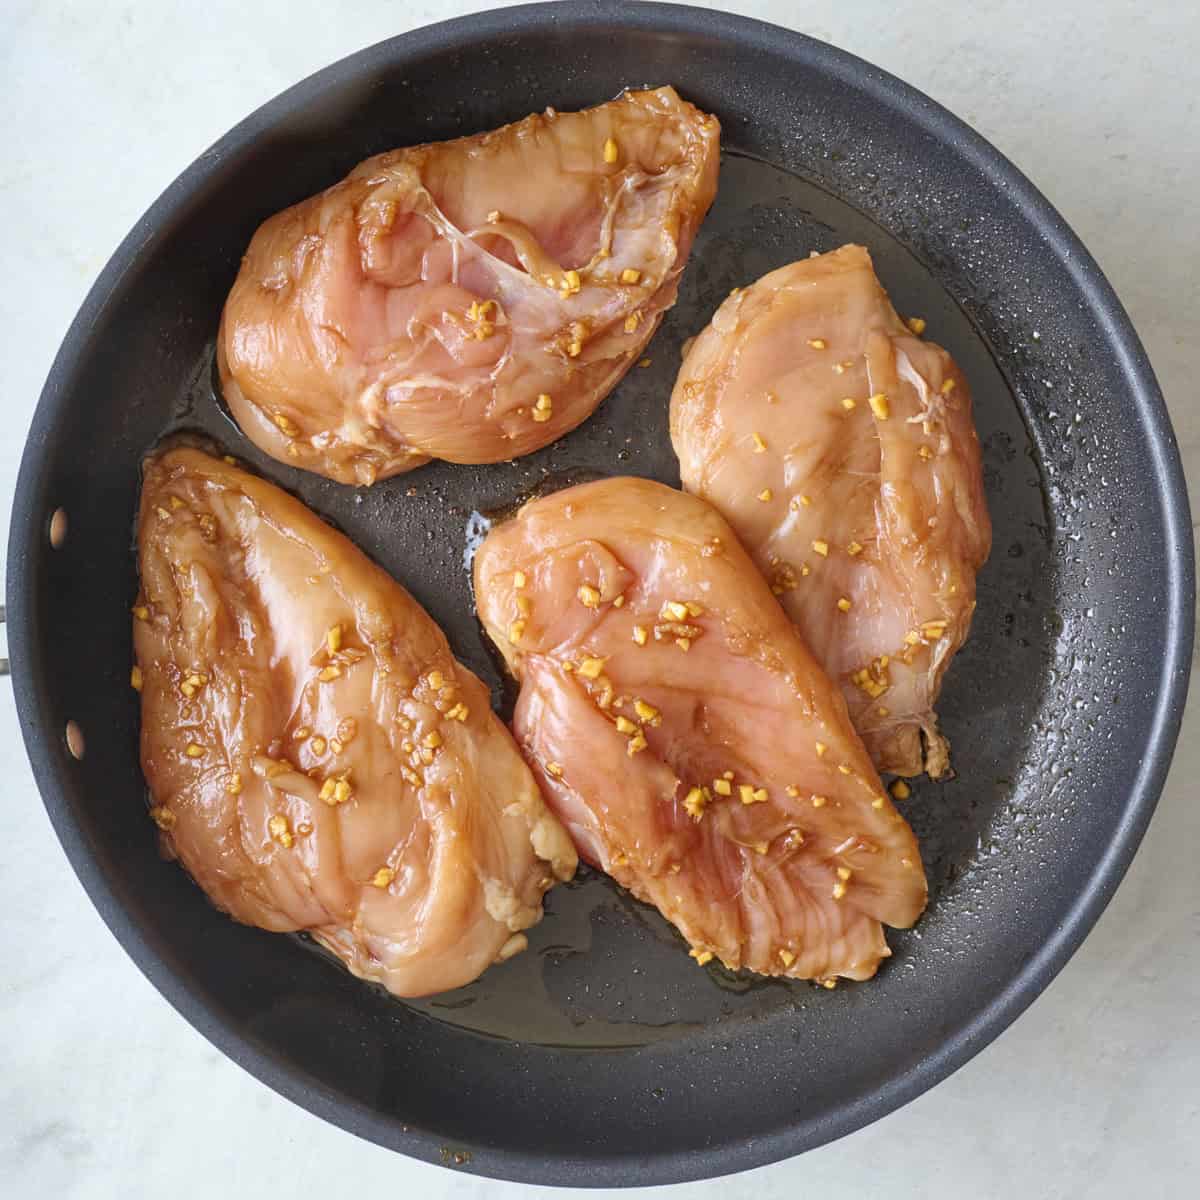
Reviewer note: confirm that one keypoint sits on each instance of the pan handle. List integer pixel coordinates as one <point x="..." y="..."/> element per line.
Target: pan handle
<point x="4" y="668"/>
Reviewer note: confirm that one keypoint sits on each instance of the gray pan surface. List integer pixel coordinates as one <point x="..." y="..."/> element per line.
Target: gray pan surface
<point x="604" y="1056"/>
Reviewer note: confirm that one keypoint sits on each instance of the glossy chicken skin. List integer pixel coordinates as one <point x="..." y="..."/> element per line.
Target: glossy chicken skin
<point x="470" y="300"/>
<point x="317" y="758"/>
<point x="840" y="447"/>
<point x="686" y="737"/>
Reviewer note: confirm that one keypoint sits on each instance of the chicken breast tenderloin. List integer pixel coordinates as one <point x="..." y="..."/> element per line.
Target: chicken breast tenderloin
<point x="470" y="300"/>
<point x="682" y="731"/>
<point x="317" y="758"/>
<point x="840" y="447"/>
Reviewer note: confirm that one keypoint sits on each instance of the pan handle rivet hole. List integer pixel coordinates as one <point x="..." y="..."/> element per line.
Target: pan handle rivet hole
<point x="75" y="740"/>
<point x="58" y="528"/>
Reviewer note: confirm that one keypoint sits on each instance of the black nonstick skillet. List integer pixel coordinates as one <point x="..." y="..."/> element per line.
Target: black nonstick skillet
<point x="604" y="1055"/>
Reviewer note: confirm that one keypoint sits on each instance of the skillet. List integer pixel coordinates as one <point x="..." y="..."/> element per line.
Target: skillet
<point x="604" y="1056"/>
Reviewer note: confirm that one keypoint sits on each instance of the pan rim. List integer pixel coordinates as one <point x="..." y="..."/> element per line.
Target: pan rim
<point x="610" y="1167"/>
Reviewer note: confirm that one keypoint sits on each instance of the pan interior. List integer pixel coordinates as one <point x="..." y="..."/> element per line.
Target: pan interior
<point x="602" y="969"/>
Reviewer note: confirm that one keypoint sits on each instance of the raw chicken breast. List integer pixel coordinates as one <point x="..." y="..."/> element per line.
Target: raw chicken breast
<point x="469" y="300"/>
<point x="686" y="737"/>
<point x="316" y="757"/>
<point x="841" y="449"/>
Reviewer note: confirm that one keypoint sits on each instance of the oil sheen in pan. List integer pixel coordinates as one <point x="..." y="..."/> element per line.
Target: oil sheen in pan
<point x="416" y="526"/>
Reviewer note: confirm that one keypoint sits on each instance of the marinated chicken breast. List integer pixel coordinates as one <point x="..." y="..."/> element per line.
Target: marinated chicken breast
<point x="470" y="300"/>
<point x="682" y="731"/>
<point x="317" y="758"/>
<point x="840" y="447"/>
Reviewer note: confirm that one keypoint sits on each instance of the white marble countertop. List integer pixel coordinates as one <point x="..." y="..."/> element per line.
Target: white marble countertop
<point x="1094" y="1092"/>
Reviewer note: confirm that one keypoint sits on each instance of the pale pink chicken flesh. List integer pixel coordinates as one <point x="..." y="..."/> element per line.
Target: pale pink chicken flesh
<point x="840" y="447"/>
<point x="317" y="758"/>
<point x="682" y="731"/>
<point x="470" y="300"/>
